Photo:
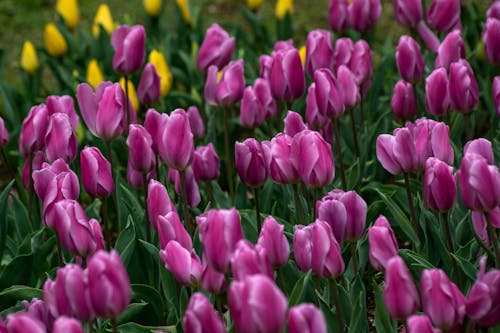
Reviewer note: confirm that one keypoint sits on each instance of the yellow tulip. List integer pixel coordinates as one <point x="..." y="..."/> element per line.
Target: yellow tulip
<point x="29" y="59"/>
<point x="283" y="7"/>
<point x="103" y="17"/>
<point x="302" y="53"/>
<point x="68" y="9"/>
<point x="54" y="41"/>
<point x="94" y="74"/>
<point x="152" y="7"/>
<point x="254" y="4"/>
<point x="132" y="95"/>
<point x="184" y="8"/>
<point x="158" y="60"/>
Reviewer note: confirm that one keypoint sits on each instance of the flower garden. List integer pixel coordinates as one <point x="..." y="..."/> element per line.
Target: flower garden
<point x="167" y="172"/>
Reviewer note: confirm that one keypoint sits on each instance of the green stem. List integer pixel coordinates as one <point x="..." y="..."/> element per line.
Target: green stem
<point x="229" y="160"/>
<point x="126" y="103"/>
<point x="115" y="197"/>
<point x="30" y="186"/>
<point x="468" y="131"/>
<point x="493" y="239"/>
<point x="298" y="204"/>
<point x="105" y="221"/>
<point x="257" y="209"/>
<point x="185" y="210"/>
<point x="361" y="115"/>
<point x="210" y="194"/>
<point x="115" y="326"/>
<point x="148" y="223"/>
<point x="451" y="247"/>
<point x="410" y="204"/>
<point x="336" y="134"/>
<point x="354" y="133"/>
<point x="338" y="309"/>
<point x="59" y="252"/>
<point x="7" y="164"/>
<point x="354" y="257"/>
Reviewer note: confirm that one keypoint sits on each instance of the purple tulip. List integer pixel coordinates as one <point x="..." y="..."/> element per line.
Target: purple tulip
<point x="212" y="281"/>
<point x="4" y="134"/>
<point x="403" y="103"/>
<point x="385" y="150"/>
<point x="190" y="183"/>
<point x="408" y="12"/>
<point x="97" y="178"/>
<point x="63" y="104"/>
<point x="429" y="38"/>
<point x="201" y="317"/>
<point x="286" y="77"/>
<point x="442" y="301"/>
<point x="141" y="154"/>
<point x="319" y="51"/>
<point x="40" y="310"/>
<point x="206" y="164"/>
<point x="294" y="123"/>
<point x="400" y="293"/>
<point x="216" y="49"/>
<point x="228" y="89"/>
<point x="60" y="140"/>
<point x="265" y="64"/>
<point x="463" y="88"/>
<point x="360" y="62"/>
<point x="248" y="259"/>
<point x="148" y="90"/>
<point x="496" y="93"/>
<point x="33" y="129"/>
<point x="306" y="318"/>
<point x="184" y="264"/>
<point x="481" y="147"/>
<point x="314" y="118"/>
<point x="342" y="52"/>
<point x="153" y="124"/>
<point x="409" y="60"/>
<point x="482" y="305"/>
<point x="129" y="44"/>
<point x="257" y="305"/>
<point x="383" y="244"/>
<point x="348" y="87"/>
<point x="440" y="188"/>
<point x="437" y="97"/>
<point x="278" y="163"/>
<point x="37" y="162"/>
<point x="480" y="224"/>
<point x="272" y="238"/>
<point x="67" y="325"/>
<point x="95" y="226"/>
<point x="452" y="49"/>
<point x="420" y="324"/>
<point x="431" y="139"/>
<point x="315" y="247"/>
<point x="491" y="38"/>
<point x="250" y="162"/>
<point x="312" y="157"/>
<point x="158" y="202"/>
<point x="443" y="14"/>
<point x="108" y="284"/>
<point x="219" y="231"/>
<point x="176" y="141"/>
<point x="363" y="14"/>
<point x="170" y="228"/>
<point x="23" y="323"/>
<point x="328" y="95"/>
<point x="283" y="45"/>
<point x="338" y="15"/>
<point x="257" y="104"/>
<point x="196" y="122"/>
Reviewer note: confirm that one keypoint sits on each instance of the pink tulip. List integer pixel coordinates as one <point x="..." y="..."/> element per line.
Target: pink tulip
<point x="443" y="15"/>
<point x="228" y="89"/>
<point x="158" y="202"/>
<point x="481" y="147"/>
<point x="383" y="244"/>
<point x="319" y="51"/>
<point x="67" y="325"/>
<point x="437" y="97"/>
<point x="176" y="144"/>
<point x="170" y="228"/>
<point x="408" y="12"/>
<point x="33" y="130"/>
<point x="286" y="78"/>
<point x="463" y="88"/>
<point x="278" y="161"/>
<point x="496" y="93"/>
<point x="272" y="238"/>
<point x="216" y="49"/>
<point x="329" y="97"/>
<point x="250" y="162"/>
<point x="306" y="318"/>
<point x="440" y="188"/>
<point x="452" y="49"/>
<point x="190" y="183"/>
<point x="196" y="122"/>
<point x="184" y="264"/>
<point x="201" y="317"/>
<point x="23" y="323"/>
<point x="97" y="178"/>
<point x="141" y="154"/>
<point x="294" y="123"/>
<point x="409" y="59"/>
<point x="129" y="44"/>
<point x="206" y="164"/>
<point x="60" y="140"/>
<point x="63" y="104"/>
<point x="403" y="103"/>
<point x="148" y="90"/>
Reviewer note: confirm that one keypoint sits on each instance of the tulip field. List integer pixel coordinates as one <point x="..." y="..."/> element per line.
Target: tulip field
<point x="168" y="171"/>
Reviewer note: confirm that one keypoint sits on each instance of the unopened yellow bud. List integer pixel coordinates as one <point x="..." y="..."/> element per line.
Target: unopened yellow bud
<point x="54" y="41"/>
<point x="29" y="59"/>
<point x="94" y="74"/>
<point x="184" y="8"/>
<point x="132" y="95"/>
<point x="254" y="4"/>
<point x="152" y="7"/>
<point x="283" y="7"/>
<point x="68" y="9"/>
<point x="161" y="66"/>
<point x="103" y="17"/>
<point x="302" y="53"/>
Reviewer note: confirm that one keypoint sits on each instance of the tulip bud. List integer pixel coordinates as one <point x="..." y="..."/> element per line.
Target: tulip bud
<point x="4" y="134"/>
<point x="385" y="153"/>
<point x="491" y="38"/>
<point x="363" y="14"/>
<point x="403" y="100"/>
<point x="176" y="144"/>
<point x="60" y="140"/>
<point x="293" y="123"/>
<point x="257" y="104"/>
<point x="250" y="162"/>
<point x="312" y="157"/>
<point x="55" y="44"/>
<point x="219" y="231"/>
<point x="158" y="202"/>
<point x="216" y="49"/>
<point x="274" y="241"/>
<point x="196" y="122"/>
<point x="160" y="64"/>
<point x="94" y="74"/>
<point x="212" y="281"/>
<point x="206" y="164"/>
<point x="319" y="51"/>
<point x="130" y="49"/>
<point x="148" y="90"/>
<point x="314" y="118"/>
<point x="228" y="88"/>
<point x="360" y="63"/>
<point x="420" y="324"/>
<point x="33" y="130"/>
<point x="103" y="18"/>
<point x="306" y="318"/>
<point x="408" y="12"/>
<point x="37" y="162"/>
<point x="315" y="247"/>
<point x="443" y="14"/>
<point x="22" y="322"/>
<point x="481" y="147"/>
<point x="342" y="52"/>
<point x="68" y="9"/>
<point x="152" y="7"/>
<point x="383" y="244"/>
<point x="400" y="293"/>
<point x="283" y="7"/>
<point x="184" y="264"/>
<point x="170" y="228"/>
<point x="133" y="101"/>
<point x="248" y="259"/>
<point x="338" y="18"/>
<point x="451" y="50"/>
<point x="278" y="161"/>
<point x="496" y="93"/>
<point x="265" y="63"/>
<point x="329" y="97"/>
<point x="257" y="305"/>
<point x="67" y="325"/>
<point x="463" y="88"/>
<point x="201" y="317"/>
<point x="39" y="309"/>
<point x="348" y="87"/>
<point x="440" y="188"/>
<point x="254" y="5"/>
<point x="141" y="154"/>
<point x="184" y="8"/>
<point x="437" y="97"/>
<point x="97" y="178"/>
<point x="442" y="301"/>
<point x="153" y="122"/>
<point x="286" y="78"/>
<point x="409" y="60"/>
<point x="108" y="284"/>
<point x="29" y="59"/>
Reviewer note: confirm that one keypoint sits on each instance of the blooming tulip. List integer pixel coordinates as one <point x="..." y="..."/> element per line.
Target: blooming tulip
<point x="443" y="14"/>
<point x="201" y="317"/>
<point x="216" y="49"/>
<point x="257" y="104"/>
<point x="452" y="49"/>
<point x="409" y="59"/>
<point x="29" y="59"/>
<point x="148" y="90"/>
<point x="437" y="97"/>
<point x="319" y="51"/>
<point x="228" y="89"/>
<point x="383" y="244"/>
<point x="306" y="318"/>
<point x="250" y="162"/>
<point x="463" y="88"/>
<point x="286" y="78"/>
<point x="440" y="188"/>
<point x="184" y="264"/>
<point x="176" y="144"/>
<point x="274" y="241"/>
<point x="55" y="44"/>
<point x="129" y="44"/>
<point x="248" y="259"/>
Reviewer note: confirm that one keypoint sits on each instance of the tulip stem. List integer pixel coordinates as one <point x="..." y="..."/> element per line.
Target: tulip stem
<point x="126" y="103"/>
<point x="354" y="133"/>
<point x="493" y="239"/>
<point x="105" y="220"/>
<point x="451" y="247"/>
<point x="59" y="252"/>
<point x="229" y="166"/>
<point x="468" y="134"/>
<point x="361" y="115"/>
<point x="257" y="209"/>
<point x="410" y="204"/>
<point x="298" y="204"/>
<point x="30" y="185"/>
<point x="185" y="210"/>
<point x="7" y="164"/>
<point x="148" y="223"/>
<point x="336" y="135"/>
<point x="338" y="309"/>
<point x="354" y="257"/>
<point x="210" y="194"/>
<point x="115" y="197"/>
<point x="113" y="323"/>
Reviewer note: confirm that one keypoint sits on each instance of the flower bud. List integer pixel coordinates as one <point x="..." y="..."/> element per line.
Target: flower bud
<point x="360" y="62"/>
<point x="248" y="259"/>
<point x="228" y="89"/>
<point x="273" y="239"/>
<point x="161" y="66"/>
<point x="496" y="93"/>
<point x="283" y="7"/>
<point x="141" y="154"/>
<point x="176" y="144"/>
<point x="4" y="134"/>
<point x="95" y="226"/>
<point x="329" y="97"/>
<point x="278" y="161"/>
<point x="94" y="75"/>
<point x="306" y="318"/>
<point x="451" y="50"/>
<point x="60" y="140"/>
<point x="22" y="323"/>
<point x="201" y="317"/>
<point x="265" y="64"/>
<point x="55" y="44"/>
<point x="250" y="162"/>
<point x="152" y="7"/>
<point x="216" y="49"/>
<point x="293" y="123"/>
<point x="420" y="324"/>
<point x="67" y="325"/>
<point x="158" y="202"/>
<point x="409" y="60"/>
<point x="383" y="244"/>
<point x="68" y="9"/>
<point x="443" y="14"/>
<point x="257" y="104"/>
<point x="314" y="118"/>
<point x="437" y="97"/>
<point x="148" y="90"/>
<point x="408" y="12"/>
<point x="29" y="59"/>
<point x="196" y="122"/>
<point x="363" y="14"/>
<point x="206" y="164"/>
<point x="103" y="18"/>
<point x="212" y="281"/>
<point x="481" y="147"/>
<point x="463" y="88"/>
<point x="133" y="101"/>
<point x="184" y="265"/>
<point x="254" y="5"/>
<point x="440" y="188"/>
<point x="286" y="78"/>
<point x="33" y="130"/>
<point x="39" y="309"/>
<point x="184" y="9"/>
<point x="338" y="18"/>
<point x="129" y="44"/>
<point x="348" y="87"/>
<point x="403" y="100"/>
<point x="319" y="51"/>
<point x="170" y="228"/>
<point x="97" y="178"/>
<point x="153" y="122"/>
<point x="491" y="38"/>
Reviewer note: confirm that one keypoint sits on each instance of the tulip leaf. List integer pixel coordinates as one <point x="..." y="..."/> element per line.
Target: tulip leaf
<point x="330" y="316"/>
<point x="148" y="308"/>
<point x="136" y="328"/>
<point x="17" y="272"/>
<point x="299" y="289"/>
<point x="22" y="220"/>
<point x="17" y="293"/>
<point x="383" y="322"/>
<point x="4" y="221"/>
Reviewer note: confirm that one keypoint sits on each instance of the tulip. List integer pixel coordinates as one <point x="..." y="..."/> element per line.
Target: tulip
<point x="342" y="52"/>
<point x="403" y="103"/>
<point x="283" y="7"/>
<point x="68" y="9"/>
<point x="496" y="93"/>
<point x="314" y="118"/>
<point x="442" y="301"/>
<point x="451" y="50"/>
<point x="491" y="38"/>
<point x="265" y="63"/>
<point x="360" y="62"/>
<point x="201" y="317"/>
<point x="257" y="305"/>
<point x="420" y="324"/>
<point x="152" y="7"/>
<point x="152" y="123"/>
<point x="400" y="293"/>
<point x="463" y="88"/>
<point x="29" y="59"/>
<point x="385" y="150"/>
<point x="60" y="140"/>
<point x="250" y="162"/>
<point x="481" y="147"/>
<point x="141" y="154"/>
<point x="430" y="39"/>
<point x="33" y="130"/>
<point x="160" y="64"/>
<point x="316" y="248"/>
<point x="293" y="123"/>
<point x="481" y="305"/>
<point x="248" y="259"/>
<point x="306" y="318"/>
<point x="206" y="164"/>
<point x="212" y="281"/>
<point x="228" y="89"/>
<point x="443" y="14"/>
<point x="184" y="264"/>
<point x="40" y="310"/>
<point x="257" y="104"/>
<point x="133" y="101"/>
<point x="409" y="59"/>
<point x="67" y="325"/>
<point x="254" y="5"/>
<point x="431" y="139"/>
<point x="64" y="105"/>
<point x="440" y="188"/>
<point x="364" y="13"/>
<point x="94" y="74"/>
<point x="97" y="178"/>
<point x="479" y="183"/>
<point x="317" y="169"/>
<point x="176" y="144"/>
<point x="348" y="87"/>
<point x="55" y="44"/>
<point x="103" y="19"/>
<point x="196" y="122"/>
<point x="23" y="322"/>
<point x="184" y="8"/>
<point x="408" y="12"/>
<point x="286" y="77"/>
<point x="383" y="244"/>
<point x="148" y="90"/>
<point x="437" y="97"/>
<point x="219" y="231"/>
<point x="108" y="284"/>
<point x="136" y="178"/>
<point x="37" y="162"/>
<point x="272" y="239"/>
<point x="278" y="161"/>
<point x="95" y="226"/>
<point x="216" y="49"/>
<point x="170" y="228"/>
<point x="345" y="212"/>
<point x="130" y="49"/>
<point x="329" y="97"/>
<point x="158" y="202"/>
<point x="338" y="18"/>
<point x="319" y="51"/>
<point x="4" y="134"/>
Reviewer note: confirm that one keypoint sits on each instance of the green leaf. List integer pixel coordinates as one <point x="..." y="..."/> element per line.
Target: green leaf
<point x="17" y="293"/>
<point x="18" y="271"/>
<point x="299" y="289"/>
<point x="383" y="322"/>
<point x="22" y="221"/>
<point x="136" y="328"/>
<point x="4" y="218"/>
